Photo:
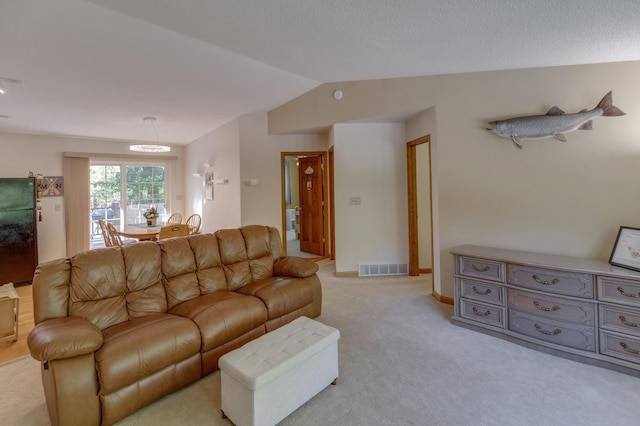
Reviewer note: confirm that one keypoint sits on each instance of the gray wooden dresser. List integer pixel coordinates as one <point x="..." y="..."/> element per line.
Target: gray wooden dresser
<point x="581" y="309"/>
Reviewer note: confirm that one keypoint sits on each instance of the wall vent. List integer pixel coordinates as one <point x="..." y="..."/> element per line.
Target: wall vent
<point x="378" y="269"/>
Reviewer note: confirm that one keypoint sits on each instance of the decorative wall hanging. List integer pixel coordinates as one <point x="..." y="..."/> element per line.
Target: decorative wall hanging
<point x="52" y="186"/>
<point x="309" y="171"/>
<point x="554" y="124"/>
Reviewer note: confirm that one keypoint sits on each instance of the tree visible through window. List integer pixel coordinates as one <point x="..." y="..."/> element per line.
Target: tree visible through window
<point x="145" y="188"/>
<point x="123" y="192"/>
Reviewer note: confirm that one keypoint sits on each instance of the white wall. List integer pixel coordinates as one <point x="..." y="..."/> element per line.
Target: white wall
<point x="219" y="148"/>
<point x="43" y="154"/>
<point x="370" y="163"/>
<point x="554" y="197"/>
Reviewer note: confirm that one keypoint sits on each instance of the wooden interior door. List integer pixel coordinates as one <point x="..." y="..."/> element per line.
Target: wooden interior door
<point x="310" y="180"/>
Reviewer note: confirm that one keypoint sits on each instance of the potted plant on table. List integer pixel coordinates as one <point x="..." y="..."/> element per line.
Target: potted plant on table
<point x="151" y="215"/>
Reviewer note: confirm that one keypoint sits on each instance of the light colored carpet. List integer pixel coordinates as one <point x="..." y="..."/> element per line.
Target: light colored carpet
<point x="401" y="363"/>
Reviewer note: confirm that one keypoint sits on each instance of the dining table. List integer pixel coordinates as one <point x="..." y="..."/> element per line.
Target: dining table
<point x="140" y="231"/>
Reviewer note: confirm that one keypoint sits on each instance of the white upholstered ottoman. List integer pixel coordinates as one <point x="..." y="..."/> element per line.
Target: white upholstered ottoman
<point x="268" y="378"/>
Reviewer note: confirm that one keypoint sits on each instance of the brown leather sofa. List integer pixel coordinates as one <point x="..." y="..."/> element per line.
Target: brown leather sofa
<point x="119" y="327"/>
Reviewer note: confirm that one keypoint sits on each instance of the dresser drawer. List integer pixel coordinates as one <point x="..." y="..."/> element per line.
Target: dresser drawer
<point x="551" y="281"/>
<point x="481" y="268"/>
<point x="620" y="319"/>
<point x="619" y="290"/>
<point x="567" y="310"/>
<point x="620" y="346"/>
<point x="558" y="332"/>
<point x="487" y="314"/>
<point x="483" y="292"/>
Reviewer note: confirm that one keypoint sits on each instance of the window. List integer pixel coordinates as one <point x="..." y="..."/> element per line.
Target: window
<point x="144" y="188"/>
<point x="121" y="193"/>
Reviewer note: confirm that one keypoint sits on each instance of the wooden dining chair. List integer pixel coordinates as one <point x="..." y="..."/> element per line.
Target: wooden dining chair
<point x="174" y="219"/>
<point x="105" y="233"/>
<point x="176" y="230"/>
<point x="116" y="240"/>
<point x="194" y="222"/>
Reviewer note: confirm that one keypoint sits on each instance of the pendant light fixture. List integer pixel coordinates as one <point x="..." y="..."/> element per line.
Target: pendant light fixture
<point x="154" y="147"/>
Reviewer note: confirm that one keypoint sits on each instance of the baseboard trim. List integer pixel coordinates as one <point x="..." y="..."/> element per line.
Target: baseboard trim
<point x="347" y="274"/>
<point x="442" y="299"/>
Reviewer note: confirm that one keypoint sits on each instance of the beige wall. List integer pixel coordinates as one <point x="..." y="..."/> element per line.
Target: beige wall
<point x="241" y="150"/>
<point x="43" y="154"/>
<point x="260" y="159"/>
<point x="370" y="164"/>
<point x="554" y="197"/>
<point x="219" y="148"/>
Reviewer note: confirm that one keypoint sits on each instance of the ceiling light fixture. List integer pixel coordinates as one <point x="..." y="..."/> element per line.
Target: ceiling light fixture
<point x="151" y="148"/>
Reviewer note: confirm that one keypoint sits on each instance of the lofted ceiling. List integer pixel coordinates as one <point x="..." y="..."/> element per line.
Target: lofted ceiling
<point x="95" y="68"/>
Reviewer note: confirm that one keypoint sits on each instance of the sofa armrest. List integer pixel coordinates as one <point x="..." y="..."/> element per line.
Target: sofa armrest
<point x="293" y="266"/>
<point x="60" y="338"/>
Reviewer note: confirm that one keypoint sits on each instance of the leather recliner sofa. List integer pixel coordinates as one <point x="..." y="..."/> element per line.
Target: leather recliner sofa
<point x="117" y="328"/>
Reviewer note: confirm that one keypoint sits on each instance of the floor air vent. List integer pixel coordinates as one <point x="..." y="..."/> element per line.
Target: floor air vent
<point x="374" y="270"/>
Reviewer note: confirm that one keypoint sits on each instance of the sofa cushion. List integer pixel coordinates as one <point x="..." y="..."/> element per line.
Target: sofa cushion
<point x="208" y="264"/>
<point x="97" y="287"/>
<point x="257" y="240"/>
<point x="143" y="346"/>
<point x="145" y="292"/>
<point x="178" y="270"/>
<point x="245" y="254"/>
<point x="51" y="290"/>
<point x="233" y="254"/>
<point x="222" y="316"/>
<point x="281" y="295"/>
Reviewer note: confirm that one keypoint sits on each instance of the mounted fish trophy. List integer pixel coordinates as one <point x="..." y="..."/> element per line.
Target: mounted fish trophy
<point x="554" y="124"/>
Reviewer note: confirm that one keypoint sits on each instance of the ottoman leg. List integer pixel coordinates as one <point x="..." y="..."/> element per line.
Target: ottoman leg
<point x="224" y="416"/>
<point x="335" y="381"/>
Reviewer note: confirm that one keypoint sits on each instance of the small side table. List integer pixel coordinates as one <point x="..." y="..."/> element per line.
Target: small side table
<point x="8" y="313"/>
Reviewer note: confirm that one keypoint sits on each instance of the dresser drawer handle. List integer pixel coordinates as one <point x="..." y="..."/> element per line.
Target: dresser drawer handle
<point x="625" y="322"/>
<point x="622" y="292"/>
<point x="552" y="282"/>
<point x="484" y="268"/>
<point x="627" y="349"/>
<point x="544" y="308"/>
<point x="482" y="314"/>
<point x="548" y="333"/>
<point x="481" y="293"/>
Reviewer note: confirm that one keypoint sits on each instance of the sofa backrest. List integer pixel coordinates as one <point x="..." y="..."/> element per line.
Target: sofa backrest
<point x="112" y="285"/>
<point x="225" y="260"/>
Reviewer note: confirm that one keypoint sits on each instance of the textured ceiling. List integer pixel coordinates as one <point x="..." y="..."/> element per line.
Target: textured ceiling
<point x="95" y="68"/>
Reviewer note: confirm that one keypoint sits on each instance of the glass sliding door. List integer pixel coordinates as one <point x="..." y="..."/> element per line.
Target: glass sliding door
<point x="145" y="188"/>
<point x="122" y="192"/>
<point x="105" y="196"/>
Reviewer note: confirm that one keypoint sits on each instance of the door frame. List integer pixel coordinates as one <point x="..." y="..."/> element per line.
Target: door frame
<point x="412" y="196"/>
<point x="332" y="205"/>
<point x="283" y="198"/>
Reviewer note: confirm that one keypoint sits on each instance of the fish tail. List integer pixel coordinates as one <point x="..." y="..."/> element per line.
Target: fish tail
<point x="607" y="107"/>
